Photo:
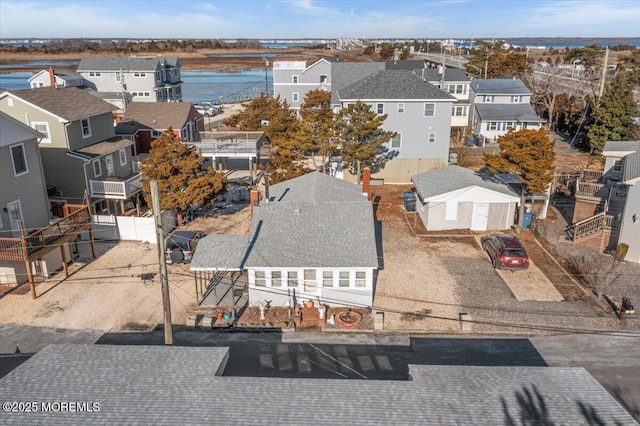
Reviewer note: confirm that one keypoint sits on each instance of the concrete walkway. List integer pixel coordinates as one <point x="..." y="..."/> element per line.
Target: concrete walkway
<point x="530" y="284"/>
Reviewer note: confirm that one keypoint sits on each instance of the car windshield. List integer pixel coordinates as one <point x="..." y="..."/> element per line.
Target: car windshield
<point x="514" y="253"/>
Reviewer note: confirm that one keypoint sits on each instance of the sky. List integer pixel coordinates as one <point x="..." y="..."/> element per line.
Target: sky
<point x="283" y="19"/>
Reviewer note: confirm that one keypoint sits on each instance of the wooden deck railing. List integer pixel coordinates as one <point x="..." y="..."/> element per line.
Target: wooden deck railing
<point x="18" y="249"/>
<point x="591" y="225"/>
<point x="590" y="175"/>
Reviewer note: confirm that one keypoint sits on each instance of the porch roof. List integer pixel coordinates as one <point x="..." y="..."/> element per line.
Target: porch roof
<point x="217" y="252"/>
<point x="508" y="112"/>
<point x="104" y="147"/>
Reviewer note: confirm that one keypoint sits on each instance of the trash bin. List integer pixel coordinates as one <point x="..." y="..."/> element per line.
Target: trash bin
<point x="409" y="199"/>
<point x="526" y="222"/>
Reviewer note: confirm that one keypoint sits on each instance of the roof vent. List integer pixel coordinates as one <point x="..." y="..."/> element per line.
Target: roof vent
<point x="296" y="210"/>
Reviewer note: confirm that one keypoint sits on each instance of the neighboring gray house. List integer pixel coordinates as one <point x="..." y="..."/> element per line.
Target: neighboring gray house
<point x="293" y="79"/>
<point x="416" y="110"/>
<point x="457" y="84"/>
<point x="146" y="384"/>
<point x="500" y="105"/>
<point x="313" y="239"/>
<point x="457" y="198"/>
<point x="23" y="194"/>
<point x="144" y="78"/>
<point x="80" y="152"/>
<point x="56" y="77"/>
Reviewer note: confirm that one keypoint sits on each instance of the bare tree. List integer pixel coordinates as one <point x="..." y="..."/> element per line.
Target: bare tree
<point x="597" y="271"/>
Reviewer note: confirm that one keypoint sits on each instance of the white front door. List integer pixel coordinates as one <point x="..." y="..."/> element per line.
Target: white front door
<point x="480" y="217"/>
<point x="15" y="217"/>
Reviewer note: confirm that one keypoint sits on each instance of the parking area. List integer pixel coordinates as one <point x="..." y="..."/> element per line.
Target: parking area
<point x="429" y="280"/>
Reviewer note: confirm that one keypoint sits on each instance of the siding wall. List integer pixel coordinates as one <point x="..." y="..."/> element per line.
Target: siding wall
<point x="307" y="80"/>
<point x="27" y="114"/>
<point x="630" y="232"/>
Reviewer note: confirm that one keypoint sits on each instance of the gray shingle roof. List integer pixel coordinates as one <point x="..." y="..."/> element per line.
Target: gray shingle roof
<point x="130" y="63"/>
<point x="453" y="178"/>
<point x="508" y="112"/>
<point x="630" y="150"/>
<point x="69" y="103"/>
<point x="621" y="146"/>
<point x="158" y="115"/>
<point x="345" y="73"/>
<point x="392" y="85"/>
<point x="499" y="86"/>
<point x="313" y="221"/>
<point x="631" y="167"/>
<point x="403" y="65"/>
<point x="182" y="385"/>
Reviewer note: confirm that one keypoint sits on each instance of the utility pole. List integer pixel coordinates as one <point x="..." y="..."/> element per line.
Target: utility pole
<point x="166" y="305"/>
<point x="266" y="79"/>
<point x="604" y="72"/>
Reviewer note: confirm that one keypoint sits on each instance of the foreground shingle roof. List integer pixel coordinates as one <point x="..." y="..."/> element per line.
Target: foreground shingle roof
<point x="453" y="178"/>
<point x="392" y="85"/>
<point x="69" y="103"/>
<point x="158" y="115"/>
<point x="183" y="385"/>
<point x="630" y="151"/>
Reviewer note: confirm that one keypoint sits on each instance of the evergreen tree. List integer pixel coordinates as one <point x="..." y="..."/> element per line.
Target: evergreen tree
<point x="359" y="130"/>
<point x="529" y="154"/>
<point x="315" y="133"/>
<point x="176" y="167"/>
<point x="495" y="61"/>
<point x="613" y="117"/>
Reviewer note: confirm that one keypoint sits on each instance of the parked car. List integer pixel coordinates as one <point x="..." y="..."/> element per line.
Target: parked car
<point x="180" y="246"/>
<point x="205" y="110"/>
<point x="505" y="251"/>
<point x="217" y="108"/>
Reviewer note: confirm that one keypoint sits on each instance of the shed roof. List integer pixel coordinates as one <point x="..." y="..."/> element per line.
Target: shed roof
<point x="161" y="385"/>
<point x="508" y="112"/>
<point x="453" y="178"/>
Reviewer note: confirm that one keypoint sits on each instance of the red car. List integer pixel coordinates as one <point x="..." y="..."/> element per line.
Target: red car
<point x="505" y="251"/>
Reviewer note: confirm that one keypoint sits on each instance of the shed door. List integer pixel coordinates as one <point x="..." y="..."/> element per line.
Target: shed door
<point x="480" y="217"/>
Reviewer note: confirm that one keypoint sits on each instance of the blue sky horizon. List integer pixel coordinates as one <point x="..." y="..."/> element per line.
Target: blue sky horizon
<point x="296" y="19"/>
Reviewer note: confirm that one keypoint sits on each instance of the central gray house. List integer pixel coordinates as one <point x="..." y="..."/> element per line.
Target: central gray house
<point x="312" y="238"/>
<point x="138" y="78"/>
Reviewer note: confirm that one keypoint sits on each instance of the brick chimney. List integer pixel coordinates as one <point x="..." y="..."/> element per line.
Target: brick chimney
<point x="52" y="77"/>
<point x="366" y="182"/>
<point x="254" y="197"/>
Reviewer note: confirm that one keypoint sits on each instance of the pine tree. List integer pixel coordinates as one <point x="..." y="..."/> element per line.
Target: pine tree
<point x="529" y="154"/>
<point x="360" y="132"/>
<point x="315" y="134"/>
<point x="613" y="118"/>
<point x="176" y="168"/>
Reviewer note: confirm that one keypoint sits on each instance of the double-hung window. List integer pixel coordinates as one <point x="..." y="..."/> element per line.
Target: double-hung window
<point x="343" y="279"/>
<point x="44" y="129"/>
<point x="123" y="157"/>
<point x="295" y="97"/>
<point x="276" y="279"/>
<point x="380" y="108"/>
<point x="432" y="138"/>
<point x="327" y="278"/>
<point x="429" y="110"/>
<point x="261" y="280"/>
<point x="400" y="108"/>
<point x="292" y="279"/>
<point x="396" y="141"/>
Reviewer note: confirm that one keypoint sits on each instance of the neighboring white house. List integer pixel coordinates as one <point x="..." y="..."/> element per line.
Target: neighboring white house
<point x="56" y="77"/>
<point x="500" y="105"/>
<point x="457" y="198"/>
<point x="312" y="238"/>
<point x="293" y="79"/>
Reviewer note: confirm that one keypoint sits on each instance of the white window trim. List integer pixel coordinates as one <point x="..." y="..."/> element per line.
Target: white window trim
<point x="140" y="74"/>
<point x="123" y="157"/>
<point x="399" y="135"/>
<point x="46" y="124"/>
<point x="95" y="74"/>
<point x="424" y="111"/>
<point x="378" y="104"/>
<point x="295" y="97"/>
<point x="295" y="79"/>
<point x="400" y="108"/>
<point x="88" y="127"/>
<point x="355" y="279"/>
<point x="97" y="173"/>
<point x="432" y="136"/>
<point x="24" y="154"/>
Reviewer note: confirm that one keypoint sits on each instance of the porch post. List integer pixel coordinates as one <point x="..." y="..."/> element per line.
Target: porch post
<point x="32" y="284"/>
<point x="122" y="207"/>
<point x="93" y="244"/>
<point x="64" y="260"/>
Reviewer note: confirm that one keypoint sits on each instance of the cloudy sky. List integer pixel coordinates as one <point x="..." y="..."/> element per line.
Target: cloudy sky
<point x="318" y="18"/>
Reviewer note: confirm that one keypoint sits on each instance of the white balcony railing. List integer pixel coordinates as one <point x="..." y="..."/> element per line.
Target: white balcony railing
<point x="116" y="188"/>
